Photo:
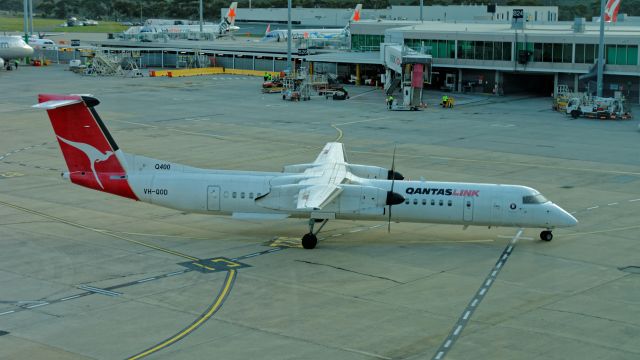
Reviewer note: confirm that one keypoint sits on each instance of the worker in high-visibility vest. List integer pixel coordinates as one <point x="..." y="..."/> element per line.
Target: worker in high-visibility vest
<point x="389" y="101"/>
<point x="266" y="76"/>
<point x="445" y="99"/>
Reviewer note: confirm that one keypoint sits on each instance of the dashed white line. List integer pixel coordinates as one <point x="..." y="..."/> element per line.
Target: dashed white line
<point x="498" y="266"/>
<point x="447" y="344"/>
<point x="457" y="330"/>
<point x="593" y="207"/>
<point x="482" y="291"/>
<point x="336" y="235"/>
<point x="70" y="297"/>
<point x="488" y="282"/>
<point x="466" y="315"/>
<point x="145" y="280"/>
<point x="355" y="230"/>
<point x="176" y="273"/>
<point x="251" y="255"/>
<point x="439" y="356"/>
<point x="612" y="204"/>
<point x="634" y="200"/>
<point x="495" y="272"/>
<point x="474" y="303"/>
<point x="37" y="305"/>
<point x="7" y="312"/>
<point x="505" y="256"/>
<point x="509" y="248"/>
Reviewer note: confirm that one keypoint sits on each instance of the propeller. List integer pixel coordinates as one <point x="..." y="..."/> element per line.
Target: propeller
<point x="393" y="198"/>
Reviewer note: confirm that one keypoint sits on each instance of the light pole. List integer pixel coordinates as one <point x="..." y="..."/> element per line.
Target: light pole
<point x="599" y="85"/>
<point x="289" y="35"/>
<point x="201" y="10"/>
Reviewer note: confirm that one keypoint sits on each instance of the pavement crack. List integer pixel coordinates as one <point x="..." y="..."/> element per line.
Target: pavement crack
<point x="351" y="271"/>
<point x="590" y="316"/>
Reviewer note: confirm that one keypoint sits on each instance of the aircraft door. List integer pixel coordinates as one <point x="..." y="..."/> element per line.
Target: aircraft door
<point x="496" y="212"/>
<point x="213" y="198"/>
<point x="467" y="213"/>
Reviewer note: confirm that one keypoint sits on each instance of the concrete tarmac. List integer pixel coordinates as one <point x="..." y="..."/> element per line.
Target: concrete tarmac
<point x="87" y="275"/>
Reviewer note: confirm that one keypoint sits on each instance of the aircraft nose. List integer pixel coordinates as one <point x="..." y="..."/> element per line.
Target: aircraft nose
<point x="564" y="219"/>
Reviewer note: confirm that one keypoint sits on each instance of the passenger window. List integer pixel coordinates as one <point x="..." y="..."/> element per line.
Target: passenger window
<point x="433" y="202"/>
<point x="250" y="195"/>
<point x="407" y="202"/>
<point x="440" y="202"/>
<point x="424" y="201"/>
<point x="234" y="194"/>
<point x="468" y="204"/>
<point x="242" y="195"/>
<point x="415" y="201"/>
<point x="449" y="203"/>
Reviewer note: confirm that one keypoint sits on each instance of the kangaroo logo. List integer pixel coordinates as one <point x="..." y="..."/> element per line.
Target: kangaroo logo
<point x="92" y="153"/>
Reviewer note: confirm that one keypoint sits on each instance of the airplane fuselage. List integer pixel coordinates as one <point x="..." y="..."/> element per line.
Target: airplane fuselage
<point x="236" y="192"/>
<point x="14" y="47"/>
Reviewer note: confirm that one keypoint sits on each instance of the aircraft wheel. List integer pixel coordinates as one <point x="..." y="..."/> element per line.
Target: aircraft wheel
<point x="546" y="235"/>
<point x="309" y="241"/>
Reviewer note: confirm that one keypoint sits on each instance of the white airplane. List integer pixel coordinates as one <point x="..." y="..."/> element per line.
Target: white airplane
<point x="13" y="47"/>
<point x="315" y="34"/>
<point x="326" y="189"/>
<point x="225" y="27"/>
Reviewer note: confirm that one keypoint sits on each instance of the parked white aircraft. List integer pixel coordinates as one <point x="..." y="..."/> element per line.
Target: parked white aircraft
<point x="326" y="189"/>
<point x="316" y="34"/>
<point x="13" y="47"/>
<point x="225" y="27"/>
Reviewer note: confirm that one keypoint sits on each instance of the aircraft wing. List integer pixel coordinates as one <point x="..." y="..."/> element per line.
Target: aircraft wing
<point x="332" y="152"/>
<point x="324" y="178"/>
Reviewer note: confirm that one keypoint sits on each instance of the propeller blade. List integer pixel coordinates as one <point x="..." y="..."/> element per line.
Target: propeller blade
<point x="393" y="181"/>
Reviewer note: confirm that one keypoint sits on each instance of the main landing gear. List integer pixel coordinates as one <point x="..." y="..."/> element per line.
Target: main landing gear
<point x="546" y="235"/>
<point x="310" y="240"/>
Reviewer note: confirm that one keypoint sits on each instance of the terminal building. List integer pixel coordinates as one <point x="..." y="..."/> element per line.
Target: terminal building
<point x="488" y="57"/>
<point x="319" y="17"/>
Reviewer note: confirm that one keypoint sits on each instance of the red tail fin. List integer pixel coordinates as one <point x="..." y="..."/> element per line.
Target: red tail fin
<point x="611" y="10"/>
<point x="92" y="156"/>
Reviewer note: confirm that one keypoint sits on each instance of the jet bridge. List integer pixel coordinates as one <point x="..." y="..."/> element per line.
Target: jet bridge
<point x="406" y="70"/>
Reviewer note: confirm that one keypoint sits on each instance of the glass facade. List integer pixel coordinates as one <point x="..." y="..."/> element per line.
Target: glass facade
<point x="444" y="49"/>
<point x="501" y="51"/>
<point x="366" y="42"/>
<point x="621" y="54"/>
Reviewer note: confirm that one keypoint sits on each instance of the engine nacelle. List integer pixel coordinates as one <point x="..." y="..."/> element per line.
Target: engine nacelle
<point x="1" y="63"/>
<point x="297" y="168"/>
<point x="374" y="172"/>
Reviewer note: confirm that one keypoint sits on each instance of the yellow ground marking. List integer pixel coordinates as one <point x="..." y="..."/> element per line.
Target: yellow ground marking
<point x="339" y="133"/>
<point x="286" y="242"/>
<point x="99" y="231"/>
<point x="204" y="266"/>
<point x="231" y="275"/>
<point x="229" y="263"/>
<point x="10" y="174"/>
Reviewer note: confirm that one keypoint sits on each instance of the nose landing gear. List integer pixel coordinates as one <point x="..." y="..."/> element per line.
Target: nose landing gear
<point x="546" y="235"/>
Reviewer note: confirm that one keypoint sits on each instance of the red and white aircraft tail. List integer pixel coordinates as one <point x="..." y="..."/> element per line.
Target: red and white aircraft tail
<point x="611" y="10"/>
<point x="356" y="13"/>
<point x="93" y="157"/>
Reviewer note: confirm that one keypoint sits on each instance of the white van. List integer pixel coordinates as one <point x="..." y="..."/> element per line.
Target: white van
<point x="42" y="44"/>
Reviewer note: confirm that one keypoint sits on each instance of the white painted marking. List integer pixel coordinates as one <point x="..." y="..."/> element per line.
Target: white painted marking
<point x="176" y="272"/>
<point x="37" y="305"/>
<point x="593" y="207"/>
<point x="145" y="280"/>
<point x="368" y="354"/>
<point x="457" y="330"/>
<point x="439" y="356"/>
<point x="335" y="235"/>
<point x="466" y="315"/>
<point x="494" y="272"/>
<point x="7" y="312"/>
<point x="509" y="248"/>
<point x="613" y="204"/>
<point x="482" y="291"/>
<point x="634" y="200"/>
<point x="488" y="282"/>
<point x="447" y="344"/>
<point x="505" y="256"/>
<point x="70" y="297"/>
<point x="355" y="230"/>
<point x="475" y="302"/>
<point x="272" y="250"/>
<point x="498" y="266"/>
<point x="251" y="255"/>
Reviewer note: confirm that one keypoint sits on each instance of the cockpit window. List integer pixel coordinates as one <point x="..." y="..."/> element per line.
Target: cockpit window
<point x="534" y="199"/>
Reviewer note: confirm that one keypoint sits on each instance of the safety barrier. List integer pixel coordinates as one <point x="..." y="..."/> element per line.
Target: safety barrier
<point x="209" y="71"/>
